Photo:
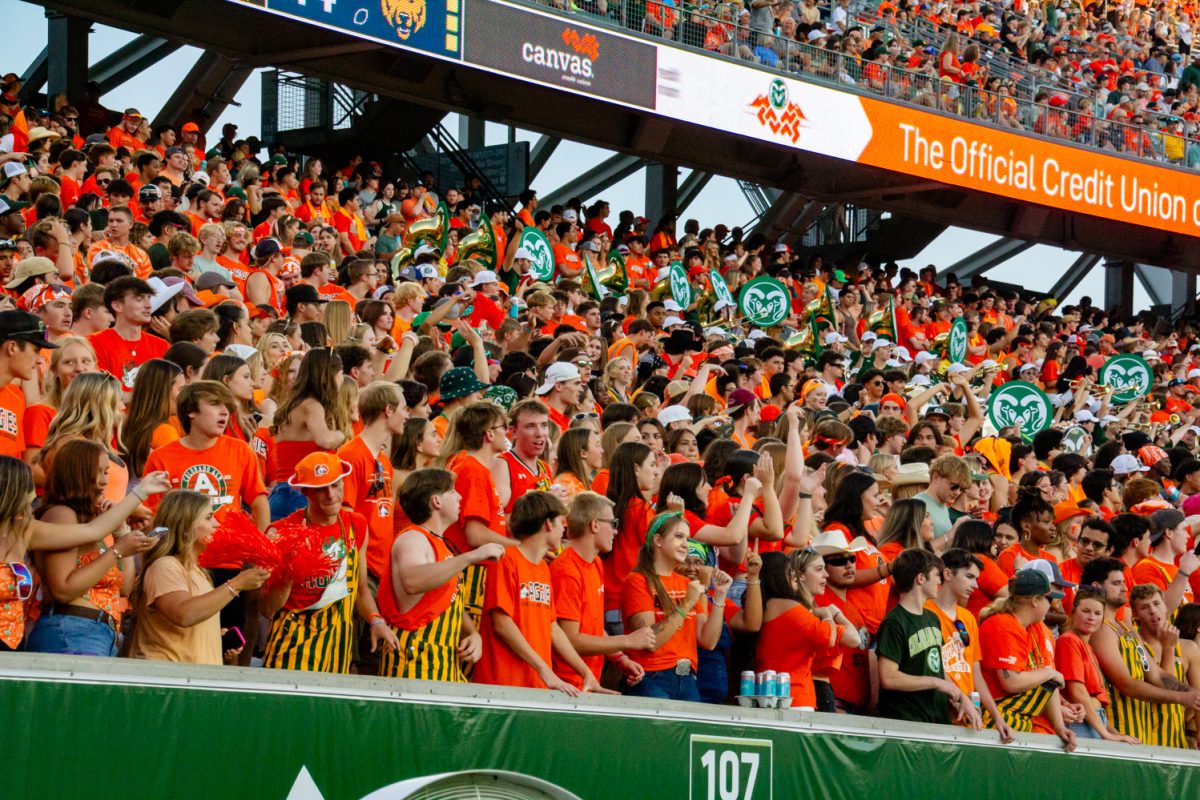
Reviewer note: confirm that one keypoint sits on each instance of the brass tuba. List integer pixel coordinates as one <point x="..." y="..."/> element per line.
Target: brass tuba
<point x="434" y="230"/>
<point x="612" y="276"/>
<point x="479" y="246"/>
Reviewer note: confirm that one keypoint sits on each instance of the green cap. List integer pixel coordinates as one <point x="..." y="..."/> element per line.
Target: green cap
<point x="459" y="382"/>
<point x="503" y="396"/>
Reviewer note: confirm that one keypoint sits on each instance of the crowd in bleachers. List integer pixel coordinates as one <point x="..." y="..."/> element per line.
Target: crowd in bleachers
<point x="260" y="410"/>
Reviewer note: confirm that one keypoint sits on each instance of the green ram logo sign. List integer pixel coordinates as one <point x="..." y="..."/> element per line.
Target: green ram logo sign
<point x="681" y="287"/>
<point x="957" y="349"/>
<point x="1020" y="405"/>
<point x="541" y="268"/>
<point x="764" y="301"/>
<point x="1129" y="376"/>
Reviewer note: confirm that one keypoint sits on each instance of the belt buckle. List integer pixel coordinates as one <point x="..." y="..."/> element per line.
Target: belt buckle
<point x="683" y="667"/>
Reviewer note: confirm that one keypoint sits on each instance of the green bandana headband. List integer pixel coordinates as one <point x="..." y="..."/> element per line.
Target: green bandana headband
<point x="657" y="524"/>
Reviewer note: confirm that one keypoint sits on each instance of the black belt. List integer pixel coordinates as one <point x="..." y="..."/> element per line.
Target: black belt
<point x="65" y="610"/>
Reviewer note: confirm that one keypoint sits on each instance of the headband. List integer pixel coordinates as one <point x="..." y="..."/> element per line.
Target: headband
<point x="657" y="524"/>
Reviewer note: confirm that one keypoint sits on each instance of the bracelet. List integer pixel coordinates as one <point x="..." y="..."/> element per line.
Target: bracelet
<point x="718" y="605"/>
<point x="377" y="620"/>
<point x="1185" y="574"/>
<point x="233" y="591"/>
<point x="141" y="498"/>
<point x="805" y="496"/>
<point x="753" y="583"/>
<point x="680" y="612"/>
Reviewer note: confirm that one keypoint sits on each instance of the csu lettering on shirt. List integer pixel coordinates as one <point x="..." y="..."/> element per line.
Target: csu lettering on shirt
<point x="924" y="639"/>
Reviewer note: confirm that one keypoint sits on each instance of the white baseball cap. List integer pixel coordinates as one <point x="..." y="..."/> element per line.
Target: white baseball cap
<point x="1025" y="367"/>
<point x="162" y="292"/>
<point x="570" y="216"/>
<point x="1126" y="464"/>
<point x="869" y="336"/>
<point x="1193" y="373"/>
<point x="423" y="249"/>
<point x="672" y="321"/>
<point x="427" y="271"/>
<point x="674" y="414"/>
<point x="1084" y="415"/>
<point x="921" y="380"/>
<point x="716" y="330"/>
<point x="957" y="369"/>
<point x="1150" y="355"/>
<point x="523" y="252"/>
<point x="558" y="372"/>
<point x="903" y="354"/>
<point x="756" y="334"/>
<point x="484" y="276"/>
<point x="833" y="337"/>
<point x="924" y="357"/>
<point x="879" y="344"/>
<point x="671" y="305"/>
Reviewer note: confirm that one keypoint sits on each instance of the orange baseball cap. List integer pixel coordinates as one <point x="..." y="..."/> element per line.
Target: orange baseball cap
<point x="317" y="470"/>
<point x="1068" y="509"/>
<point x="191" y="127"/>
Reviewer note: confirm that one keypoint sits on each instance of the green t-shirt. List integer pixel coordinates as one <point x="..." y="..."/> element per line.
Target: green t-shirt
<point x="940" y="514"/>
<point x="915" y="643"/>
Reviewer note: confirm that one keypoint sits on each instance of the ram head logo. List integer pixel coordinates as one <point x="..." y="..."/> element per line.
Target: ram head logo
<point x="958" y="341"/>
<point x="765" y="304"/>
<point x="405" y="16"/>
<point x="1133" y="379"/>
<point x="1022" y="408"/>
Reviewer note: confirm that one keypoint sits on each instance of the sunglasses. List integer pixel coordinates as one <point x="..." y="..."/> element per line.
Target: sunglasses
<point x="954" y="487"/>
<point x="104" y="182"/>
<point x="586" y="415"/>
<point x="962" y="632"/>
<point x="378" y="482"/>
<point x="23" y="578"/>
<point x="838" y="561"/>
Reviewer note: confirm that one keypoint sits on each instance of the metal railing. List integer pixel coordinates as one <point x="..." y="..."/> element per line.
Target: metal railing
<point x="1071" y="118"/>
<point x="303" y="102"/>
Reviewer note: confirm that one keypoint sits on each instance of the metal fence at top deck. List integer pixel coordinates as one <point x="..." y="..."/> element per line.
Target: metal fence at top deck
<point x="1080" y="121"/>
<point x="304" y="102"/>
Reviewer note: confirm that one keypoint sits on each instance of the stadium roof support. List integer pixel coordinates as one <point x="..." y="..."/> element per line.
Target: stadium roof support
<point x="781" y="218"/>
<point x="67" y="44"/>
<point x="662" y="190"/>
<point x="129" y="61"/>
<point x="540" y="154"/>
<point x="1074" y="274"/>
<point x="205" y="92"/>
<point x="986" y="258"/>
<point x="1118" y="287"/>
<point x="1183" y="292"/>
<point x="691" y="188"/>
<point x="34" y="76"/>
<point x="608" y="172"/>
<point x="1157" y="283"/>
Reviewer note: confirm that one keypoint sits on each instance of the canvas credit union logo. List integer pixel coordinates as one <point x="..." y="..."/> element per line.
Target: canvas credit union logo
<point x="777" y="113"/>
<point x="574" y="61"/>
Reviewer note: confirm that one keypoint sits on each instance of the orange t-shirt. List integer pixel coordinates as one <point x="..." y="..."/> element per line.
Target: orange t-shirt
<point x="958" y="659"/>
<point x="851" y="678"/>
<point x="368" y="491"/>
<point x="1075" y="659"/>
<point x="1151" y="570"/>
<point x="631" y="535"/>
<point x="1007" y="560"/>
<point x="137" y="255"/>
<point x="600" y="482"/>
<point x="1006" y="645"/>
<point x="227" y="472"/>
<point x="637" y="597"/>
<point x="789" y="643"/>
<point x="331" y="291"/>
<point x="165" y="433"/>
<point x="36" y="424"/>
<point x="991" y="580"/>
<point x="12" y="409"/>
<point x="237" y="270"/>
<point x="480" y="501"/>
<point x="578" y="597"/>
<point x="523" y="591"/>
<point x="567" y="262"/>
<point x="121" y="358"/>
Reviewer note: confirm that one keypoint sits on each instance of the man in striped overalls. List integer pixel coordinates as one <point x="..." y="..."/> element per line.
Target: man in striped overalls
<point x="1137" y="684"/>
<point x="419" y="592"/>
<point x="312" y="621"/>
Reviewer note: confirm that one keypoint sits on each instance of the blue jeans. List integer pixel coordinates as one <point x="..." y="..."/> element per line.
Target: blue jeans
<point x="74" y="636"/>
<point x="285" y="499"/>
<point x="1085" y="731"/>
<point x="612" y="623"/>
<point x="737" y="590"/>
<point x="665" y="685"/>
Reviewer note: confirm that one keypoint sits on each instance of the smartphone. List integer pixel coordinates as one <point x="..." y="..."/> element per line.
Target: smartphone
<point x="232" y="639"/>
<point x="157" y="532"/>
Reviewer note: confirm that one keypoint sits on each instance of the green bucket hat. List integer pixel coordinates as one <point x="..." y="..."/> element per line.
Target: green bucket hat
<point x="459" y="382"/>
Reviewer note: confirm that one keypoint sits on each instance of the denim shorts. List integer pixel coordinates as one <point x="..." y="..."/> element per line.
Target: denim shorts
<point x="76" y="636"/>
<point x="612" y="622"/>
<point x="1085" y="731"/>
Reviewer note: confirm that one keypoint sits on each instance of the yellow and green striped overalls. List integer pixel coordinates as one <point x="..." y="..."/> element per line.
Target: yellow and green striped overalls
<point x="1130" y="715"/>
<point x="1169" y="720"/>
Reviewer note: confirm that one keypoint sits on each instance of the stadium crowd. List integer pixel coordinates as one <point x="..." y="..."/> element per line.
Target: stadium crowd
<point x="538" y="482"/>
<point x="1117" y="76"/>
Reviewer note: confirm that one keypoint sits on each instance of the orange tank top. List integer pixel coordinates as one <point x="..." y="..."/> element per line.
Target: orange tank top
<point x="432" y="604"/>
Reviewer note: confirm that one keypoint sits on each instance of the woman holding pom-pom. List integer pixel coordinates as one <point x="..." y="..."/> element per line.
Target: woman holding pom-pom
<point x="178" y="610"/>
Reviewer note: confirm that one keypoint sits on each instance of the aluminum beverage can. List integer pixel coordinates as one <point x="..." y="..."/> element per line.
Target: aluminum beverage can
<point x="767" y="687"/>
<point x="783" y="684"/>
<point x="748" y="683"/>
